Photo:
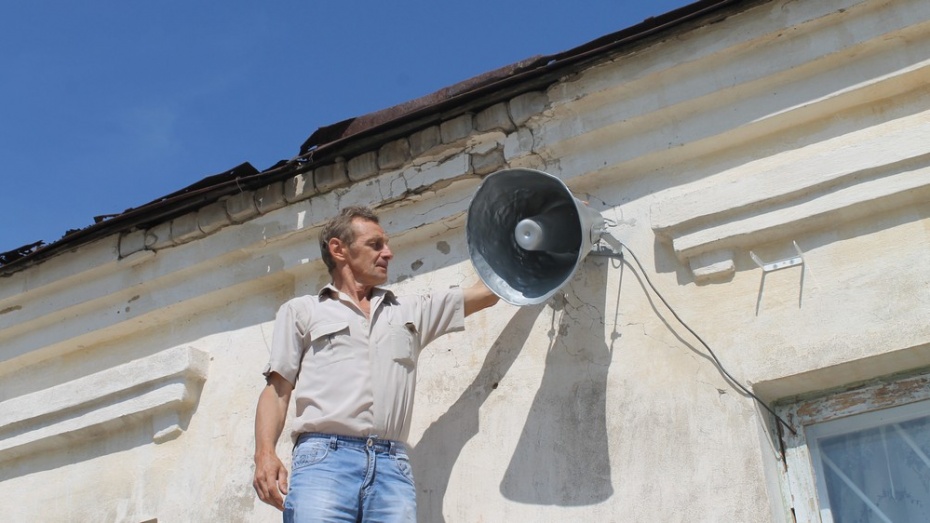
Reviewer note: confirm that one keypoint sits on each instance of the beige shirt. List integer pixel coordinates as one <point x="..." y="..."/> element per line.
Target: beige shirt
<point x="352" y="376"/>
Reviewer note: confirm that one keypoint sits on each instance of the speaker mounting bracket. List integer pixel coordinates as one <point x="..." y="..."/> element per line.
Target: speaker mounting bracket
<point x="615" y="250"/>
<point x="606" y="252"/>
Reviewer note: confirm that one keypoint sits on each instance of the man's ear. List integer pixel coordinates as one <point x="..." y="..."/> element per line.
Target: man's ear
<point x="337" y="249"/>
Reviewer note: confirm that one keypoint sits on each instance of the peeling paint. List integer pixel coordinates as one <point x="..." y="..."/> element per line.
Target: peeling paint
<point x="563" y="439"/>
<point x="558" y="301"/>
<point x="12" y="309"/>
<point x="882" y="396"/>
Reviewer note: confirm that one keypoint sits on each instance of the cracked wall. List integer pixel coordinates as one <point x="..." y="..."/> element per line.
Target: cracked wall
<point x="745" y="135"/>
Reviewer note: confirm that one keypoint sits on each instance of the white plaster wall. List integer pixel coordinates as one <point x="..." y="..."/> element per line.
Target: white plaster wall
<point x="791" y="122"/>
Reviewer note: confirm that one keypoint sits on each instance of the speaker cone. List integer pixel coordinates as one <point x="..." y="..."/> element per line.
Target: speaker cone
<point x="527" y="234"/>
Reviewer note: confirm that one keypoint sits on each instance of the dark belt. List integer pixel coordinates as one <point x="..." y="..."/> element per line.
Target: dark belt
<point x="373" y="443"/>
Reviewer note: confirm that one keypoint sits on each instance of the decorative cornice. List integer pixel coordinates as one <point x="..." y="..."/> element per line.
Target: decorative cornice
<point x="850" y="177"/>
<point x="160" y="388"/>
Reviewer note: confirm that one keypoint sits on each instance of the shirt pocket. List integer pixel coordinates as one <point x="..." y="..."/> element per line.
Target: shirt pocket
<point x="324" y="343"/>
<point x="404" y="343"/>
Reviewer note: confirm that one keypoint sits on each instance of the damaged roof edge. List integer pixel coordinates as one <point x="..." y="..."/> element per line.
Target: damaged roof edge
<point x="369" y="130"/>
<point x="540" y="68"/>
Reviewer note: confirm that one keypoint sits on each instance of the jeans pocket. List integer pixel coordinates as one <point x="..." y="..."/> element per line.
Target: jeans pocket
<point x="404" y="466"/>
<point x="309" y="453"/>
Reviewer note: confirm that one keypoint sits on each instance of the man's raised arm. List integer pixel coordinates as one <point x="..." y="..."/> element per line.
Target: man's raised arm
<point x="478" y="297"/>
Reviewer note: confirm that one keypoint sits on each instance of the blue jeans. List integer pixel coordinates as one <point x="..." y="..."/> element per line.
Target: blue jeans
<point x="352" y="480"/>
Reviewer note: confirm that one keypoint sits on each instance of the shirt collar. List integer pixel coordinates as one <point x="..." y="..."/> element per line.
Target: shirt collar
<point x="330" y="291"/>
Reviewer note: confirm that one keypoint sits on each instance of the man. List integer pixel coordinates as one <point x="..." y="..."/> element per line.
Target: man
<point x="349" y="356"/>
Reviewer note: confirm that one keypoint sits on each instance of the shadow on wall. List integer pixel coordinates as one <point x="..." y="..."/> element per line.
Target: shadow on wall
<point x="562" y="456"/>
<point x="442" y="442"/>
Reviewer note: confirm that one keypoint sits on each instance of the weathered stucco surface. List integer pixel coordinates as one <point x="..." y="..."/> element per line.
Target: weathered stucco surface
<point x="789" y="122"/>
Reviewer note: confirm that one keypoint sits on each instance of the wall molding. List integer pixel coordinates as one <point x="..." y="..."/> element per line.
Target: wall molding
<point x="159" y="389"/>
<point x="851" y="177"/>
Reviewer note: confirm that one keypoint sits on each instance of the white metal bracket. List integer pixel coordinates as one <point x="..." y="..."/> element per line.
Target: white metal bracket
<point x="780" y="264"/>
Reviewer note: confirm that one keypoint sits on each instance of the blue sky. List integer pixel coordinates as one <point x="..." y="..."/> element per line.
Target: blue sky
<point x="108" y="105"/>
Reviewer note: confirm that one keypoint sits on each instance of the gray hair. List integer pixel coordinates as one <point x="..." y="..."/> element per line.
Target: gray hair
<point x="340" y="227"/>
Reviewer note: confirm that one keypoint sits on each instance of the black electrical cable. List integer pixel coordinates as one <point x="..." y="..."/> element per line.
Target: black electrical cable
<point x="720" y="366"/>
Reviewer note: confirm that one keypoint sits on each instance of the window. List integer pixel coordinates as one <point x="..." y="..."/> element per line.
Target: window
<point x="874" y="466"/>
<point x="861" y="455"/>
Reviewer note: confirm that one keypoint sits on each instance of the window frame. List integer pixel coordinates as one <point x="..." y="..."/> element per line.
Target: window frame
<point x="829" y="410"/>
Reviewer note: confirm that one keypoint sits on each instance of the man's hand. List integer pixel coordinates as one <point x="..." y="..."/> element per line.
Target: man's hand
<point x="270" y="480"/>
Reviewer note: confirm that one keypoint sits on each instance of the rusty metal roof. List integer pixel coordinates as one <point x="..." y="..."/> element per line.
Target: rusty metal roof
<point x="371" y="130"/>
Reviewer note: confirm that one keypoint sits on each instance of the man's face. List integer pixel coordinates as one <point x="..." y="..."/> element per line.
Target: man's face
<point x="368" y="255"/>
